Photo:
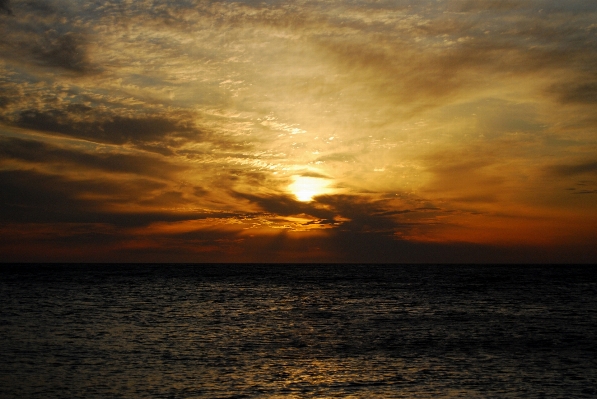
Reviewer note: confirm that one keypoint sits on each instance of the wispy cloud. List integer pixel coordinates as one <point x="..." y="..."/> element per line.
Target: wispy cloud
<point x="566" y="170"/>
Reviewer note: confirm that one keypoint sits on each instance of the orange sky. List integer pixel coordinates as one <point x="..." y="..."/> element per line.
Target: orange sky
<point x="278" y="131"/>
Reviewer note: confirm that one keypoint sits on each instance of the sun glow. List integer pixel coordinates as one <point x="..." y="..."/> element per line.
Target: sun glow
<point x="305" y="188"/>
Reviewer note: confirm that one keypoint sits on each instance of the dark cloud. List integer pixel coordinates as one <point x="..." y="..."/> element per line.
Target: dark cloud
<point x="4" y="101"/>
<point x="5" y="7"/>
<point x="45" y="208"/>
<point x="43" y="7"/>
<point x="366" y="215"/>
<point x="66" y="51"/>
<point x="586" y="192"/>
<point x="584" y="93"/>
<point x="158" y="148"/>
<point x="200" y="191"/>
<point x="393" y="213"/>
<point x="28" y="196"/>
<point x="42" y="35"/>
<point x="354" y="247"/>
<point x="46" y="121"/>
<point x="101" y="243"/>
<point x="567" y="170"/>
<point x="78" y="108"/>
<point x="43" y="153"/>
<point x="487" y="5"/>
<point x="316" y="175"/>
<point x="104" y="243"/>
<point x="285" y="205"/>
<point x="168" y="199"/>
<point x="124" y="129"/>
<point x="115" y="129"/>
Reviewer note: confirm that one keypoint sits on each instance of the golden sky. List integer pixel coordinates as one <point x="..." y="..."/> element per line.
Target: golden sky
<point x="298" y="131"/>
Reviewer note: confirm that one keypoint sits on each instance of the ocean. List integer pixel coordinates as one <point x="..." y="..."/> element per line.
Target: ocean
<point x="298" y="331"/>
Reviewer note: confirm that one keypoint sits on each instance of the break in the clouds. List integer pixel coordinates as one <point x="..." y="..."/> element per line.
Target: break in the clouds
<point x="298" y="131"/>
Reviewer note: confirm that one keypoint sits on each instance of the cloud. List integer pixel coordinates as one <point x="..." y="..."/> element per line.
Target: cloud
<point x="580" y="93"/>
<point x="365" y="215"/>
<point x="354" y="213"/>
<point x="488" y="5"/>
<point x="104" y="243"/>
<point x="42" y="35"/>
<point x="146" y="116"/>
<point x="5" y="7"/>
<point x="285" y="205"/>
<point x="315" y="175"/>
<point x="453" y="55"/>
<point x="30" y="196"/>
<point x="109" y="129"/>
<point x="337" y="157"/>
<point x="568" y="170"/>
<point x="42" y="153"/>
<point x="471" y="173"/>
<point x="4" y="101"/>
<point x="62" y="50"/>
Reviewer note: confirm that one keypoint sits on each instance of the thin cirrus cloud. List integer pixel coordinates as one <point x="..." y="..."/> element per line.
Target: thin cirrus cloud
<point x="432" y="131"/>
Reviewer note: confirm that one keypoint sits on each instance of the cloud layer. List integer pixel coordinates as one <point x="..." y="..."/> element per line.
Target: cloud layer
<point x="434" y="131"/>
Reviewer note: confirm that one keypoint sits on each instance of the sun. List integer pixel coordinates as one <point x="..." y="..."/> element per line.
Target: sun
<point x="305" y="188"/>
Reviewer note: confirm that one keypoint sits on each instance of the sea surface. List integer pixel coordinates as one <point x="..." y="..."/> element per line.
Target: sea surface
<point x="298" y="331"/>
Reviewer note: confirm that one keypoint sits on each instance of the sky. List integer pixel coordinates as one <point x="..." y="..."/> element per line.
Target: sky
<point x="400" y="131"/>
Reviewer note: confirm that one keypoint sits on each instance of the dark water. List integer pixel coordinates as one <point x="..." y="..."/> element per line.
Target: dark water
<point x="289" y="331"/>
